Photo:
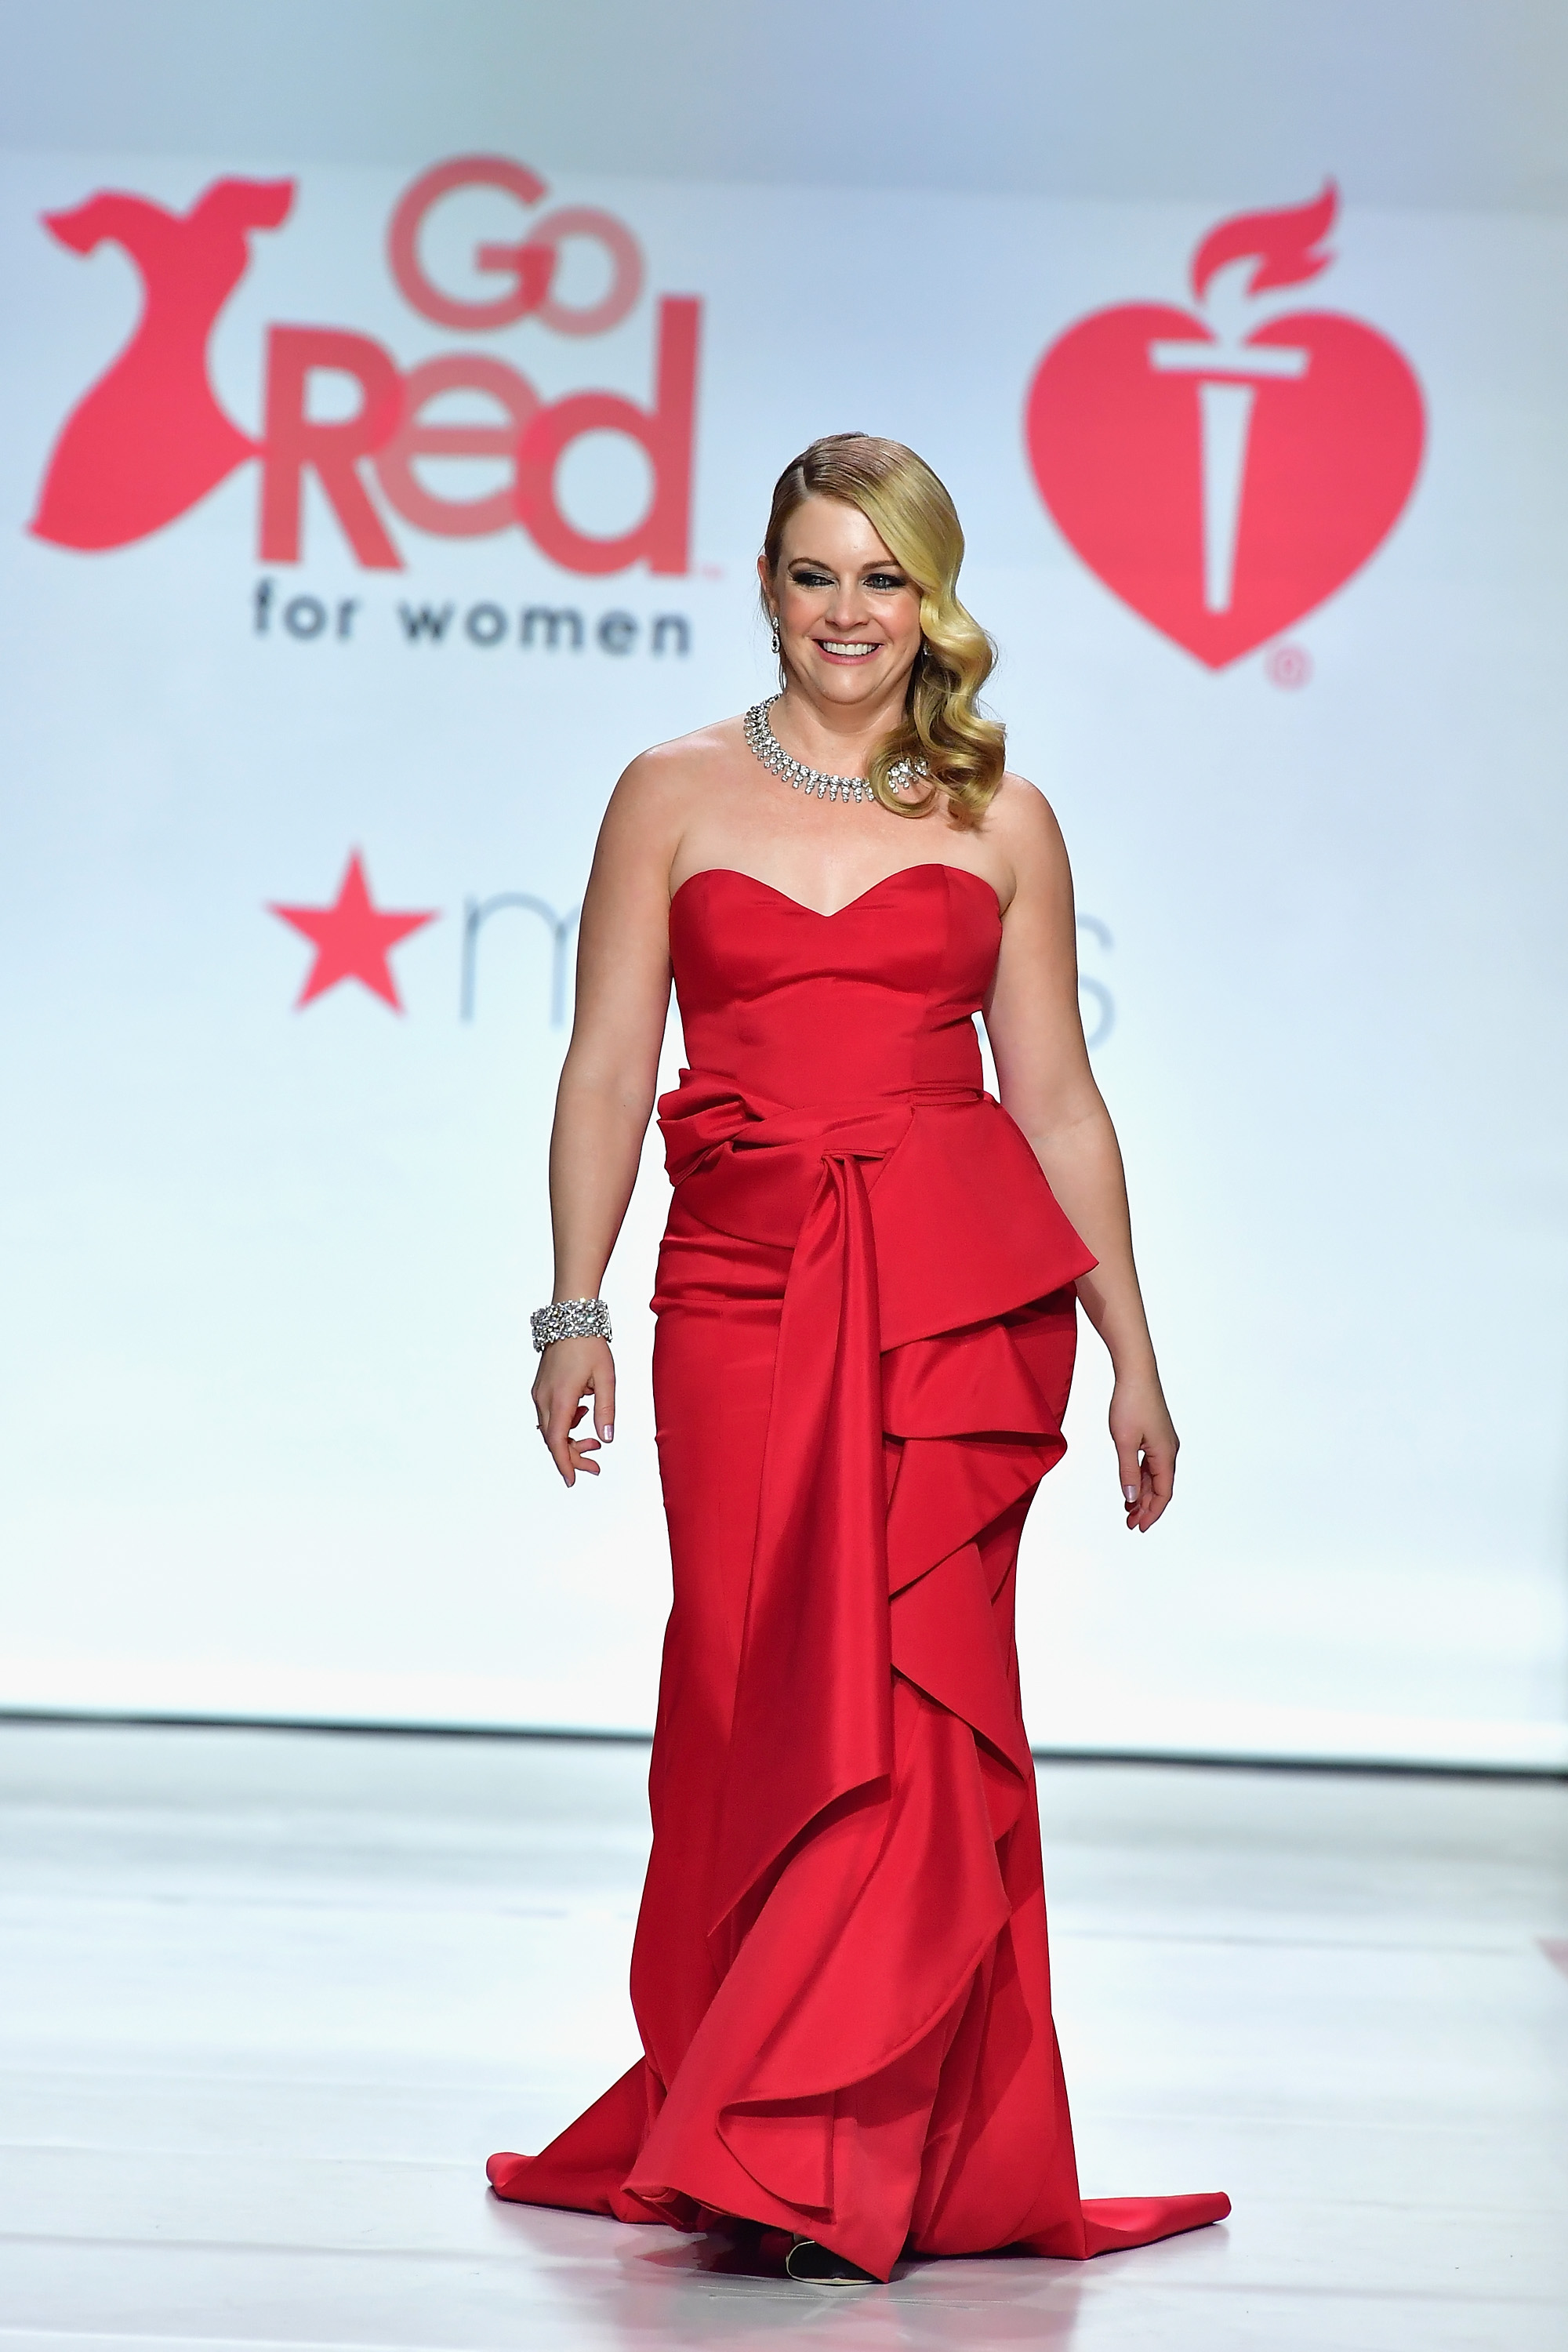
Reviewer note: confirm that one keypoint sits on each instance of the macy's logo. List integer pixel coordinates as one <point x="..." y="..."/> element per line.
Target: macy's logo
<point x="352" y="938"/>
<point x="148" y="439"/>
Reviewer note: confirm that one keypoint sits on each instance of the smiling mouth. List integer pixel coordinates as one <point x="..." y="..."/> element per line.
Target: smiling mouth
<point x="847" y="648"/>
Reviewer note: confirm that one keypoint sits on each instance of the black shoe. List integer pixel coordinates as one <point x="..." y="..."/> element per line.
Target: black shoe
<point x="822" y="2267"/>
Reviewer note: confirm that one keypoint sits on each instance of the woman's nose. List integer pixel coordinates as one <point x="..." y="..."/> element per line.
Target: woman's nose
<point x="849" y="606"/>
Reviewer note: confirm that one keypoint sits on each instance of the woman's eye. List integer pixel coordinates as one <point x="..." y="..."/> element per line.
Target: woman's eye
<point x="811" y="579"/>
<point x="884" y="580"/>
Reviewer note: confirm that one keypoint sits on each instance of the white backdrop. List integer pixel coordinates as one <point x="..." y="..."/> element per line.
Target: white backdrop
<point x="267" y="1442"/>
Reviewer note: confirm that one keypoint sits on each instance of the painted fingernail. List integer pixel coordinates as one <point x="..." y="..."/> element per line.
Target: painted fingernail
<point x="609" y="1431"/>
<point x="1132" y="1495"/>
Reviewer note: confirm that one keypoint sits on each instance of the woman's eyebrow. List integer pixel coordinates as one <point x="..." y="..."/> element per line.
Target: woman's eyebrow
<point x="880" y="563"/>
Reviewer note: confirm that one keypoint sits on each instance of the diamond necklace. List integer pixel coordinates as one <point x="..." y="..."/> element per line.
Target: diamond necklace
<point x="901" y="775"/>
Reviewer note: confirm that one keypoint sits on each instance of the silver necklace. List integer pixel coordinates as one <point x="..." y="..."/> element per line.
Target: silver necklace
<point x="902" y="775"/>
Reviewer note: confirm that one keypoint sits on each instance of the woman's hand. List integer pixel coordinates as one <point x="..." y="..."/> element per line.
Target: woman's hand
<point x="1146" y="1446"/>
<point x="570" y="1370"/>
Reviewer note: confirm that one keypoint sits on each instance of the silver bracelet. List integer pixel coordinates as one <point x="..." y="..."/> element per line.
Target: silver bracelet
<point x="570" y="1318"/>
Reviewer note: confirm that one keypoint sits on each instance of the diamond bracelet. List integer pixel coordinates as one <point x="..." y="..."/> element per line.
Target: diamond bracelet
<point x="570" y="1318"/>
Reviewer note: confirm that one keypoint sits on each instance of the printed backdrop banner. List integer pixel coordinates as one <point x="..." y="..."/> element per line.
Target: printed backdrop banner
<point x="358" y="527"/>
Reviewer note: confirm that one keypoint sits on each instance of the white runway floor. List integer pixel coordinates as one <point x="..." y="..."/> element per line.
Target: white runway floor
<point x="267" y="2000"/>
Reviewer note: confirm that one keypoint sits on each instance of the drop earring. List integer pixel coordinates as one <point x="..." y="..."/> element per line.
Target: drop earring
<point x="775" y="636"/>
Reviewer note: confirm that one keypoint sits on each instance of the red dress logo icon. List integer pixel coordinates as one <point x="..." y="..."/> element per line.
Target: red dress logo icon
<point x="148" y="440"/>
<point x="1224" y="478"/>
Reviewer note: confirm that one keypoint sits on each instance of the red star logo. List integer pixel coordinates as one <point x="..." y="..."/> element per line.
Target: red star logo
<point x="351" y="939"/>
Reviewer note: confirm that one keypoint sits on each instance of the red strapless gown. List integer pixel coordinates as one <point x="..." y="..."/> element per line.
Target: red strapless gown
<point x="866" y="1333"/>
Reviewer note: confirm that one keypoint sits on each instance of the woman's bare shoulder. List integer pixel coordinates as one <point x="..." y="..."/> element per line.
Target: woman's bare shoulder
<point x="1021" y="811"/>
<point x="1022" y="823"/>
<point x="665" y="787"/>
<point x="687" y="764"/>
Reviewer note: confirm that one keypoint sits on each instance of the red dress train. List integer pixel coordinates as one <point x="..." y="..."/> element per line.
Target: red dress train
<point x="866" y="1334"/>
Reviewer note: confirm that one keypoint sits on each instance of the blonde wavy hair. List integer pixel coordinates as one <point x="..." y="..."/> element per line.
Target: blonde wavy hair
<point x="963" y="752"/>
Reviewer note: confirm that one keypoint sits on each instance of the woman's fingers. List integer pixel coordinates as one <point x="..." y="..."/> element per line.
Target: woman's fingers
<point x="604" y="1399"/>
<point x="1158" y="1482"/>
<point x="553" y="1409"/>
<point x="1130" y="1471"/>
<point x="570" y="1372"/>
<point x="556" y="1430"/>
<point x="583" y="1448"/>
<point x="567" y="1450"/>
<point x="1147" y="1447"/>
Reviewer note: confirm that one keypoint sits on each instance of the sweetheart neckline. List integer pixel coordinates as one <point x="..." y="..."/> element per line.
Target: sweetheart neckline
<point x="925" y="865"/>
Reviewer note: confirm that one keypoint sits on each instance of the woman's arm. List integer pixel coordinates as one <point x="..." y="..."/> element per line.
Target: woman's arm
<point x="1037" y="1035"/>
<point x="606" y="1089"/>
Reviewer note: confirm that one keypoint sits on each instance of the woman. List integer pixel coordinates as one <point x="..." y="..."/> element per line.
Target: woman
<point x="866" y="1314"/>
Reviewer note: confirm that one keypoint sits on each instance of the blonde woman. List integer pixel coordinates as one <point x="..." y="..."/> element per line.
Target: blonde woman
<point x="866" y="1301"/>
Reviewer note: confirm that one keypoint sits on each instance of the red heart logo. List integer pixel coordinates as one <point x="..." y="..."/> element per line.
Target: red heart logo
<point x="1223" y="487"/>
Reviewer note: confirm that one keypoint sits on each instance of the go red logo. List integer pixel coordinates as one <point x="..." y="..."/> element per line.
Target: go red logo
<point x="148" y="439"/>
<point x="1225" y="477"/>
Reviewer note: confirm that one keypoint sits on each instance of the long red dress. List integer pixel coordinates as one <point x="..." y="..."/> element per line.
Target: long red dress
<point x="866" y="1334"/>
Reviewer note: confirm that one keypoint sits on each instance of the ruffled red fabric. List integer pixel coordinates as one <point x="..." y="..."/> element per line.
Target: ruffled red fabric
<point x="870" y="2059"/>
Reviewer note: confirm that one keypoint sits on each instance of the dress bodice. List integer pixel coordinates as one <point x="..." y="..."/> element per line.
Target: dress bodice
<point x="804" y="1008"/>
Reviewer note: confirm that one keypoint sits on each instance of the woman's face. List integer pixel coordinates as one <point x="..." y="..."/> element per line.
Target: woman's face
<point x="848" y="613"/>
